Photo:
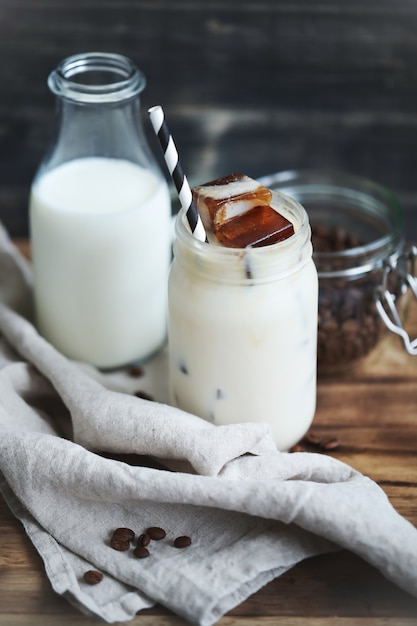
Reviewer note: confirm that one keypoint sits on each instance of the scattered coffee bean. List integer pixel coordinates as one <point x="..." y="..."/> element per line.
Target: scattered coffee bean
<point x="140" y="552"/>
<point x="93" y="577"/>
<point x="144" y="540"/>
<point x="144" y="395"/>
<point x="312" y="438"/>
<point x="119" y="544"/>
<point x="122" y="537"/>
<point x="136" y="371"/>
<point x="329" y="443"/>
<point x="156" y="533"/>
<point x="123" y="534"/>
<point x="182" y="542"/>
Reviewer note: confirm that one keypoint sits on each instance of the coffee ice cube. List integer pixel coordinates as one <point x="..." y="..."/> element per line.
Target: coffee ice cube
<point x="225" y="198"/>
<point x="237" y="210"/>
<point x="260" y="226"/>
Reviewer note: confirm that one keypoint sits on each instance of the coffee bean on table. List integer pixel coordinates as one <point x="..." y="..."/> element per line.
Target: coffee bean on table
<point x="123" y="534"/>
<point x="93" y="577"/>
<point x="182" y="542"/>
<point x="329" y="443"/>
<point x="315" y="441"/>
<point x="312" y="438"/>
<point x="156" y="533"/>
<point x="140" y="552"/>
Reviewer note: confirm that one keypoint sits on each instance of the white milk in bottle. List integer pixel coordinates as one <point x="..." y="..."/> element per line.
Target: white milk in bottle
<point x="100" y="219"/>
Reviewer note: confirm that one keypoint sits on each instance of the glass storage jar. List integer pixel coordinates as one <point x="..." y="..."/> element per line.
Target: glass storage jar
<point x="364" y="268"/>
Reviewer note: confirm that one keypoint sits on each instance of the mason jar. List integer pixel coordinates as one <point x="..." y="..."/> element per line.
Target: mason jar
<point x="242" y="329"/>
<point x="365" y="269"/>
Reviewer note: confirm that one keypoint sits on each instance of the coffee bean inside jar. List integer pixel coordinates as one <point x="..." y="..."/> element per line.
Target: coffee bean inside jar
<point x="362" y="265"/>
<point x="349" y="325"/>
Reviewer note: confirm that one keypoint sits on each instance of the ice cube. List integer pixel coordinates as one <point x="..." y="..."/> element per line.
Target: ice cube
<point x="260" y="226"/>
<point x="227" y="197"/>
<point x="237" y="210"/>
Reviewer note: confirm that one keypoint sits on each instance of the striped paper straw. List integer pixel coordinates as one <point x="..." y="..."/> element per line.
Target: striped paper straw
<point x="174" y="166"/>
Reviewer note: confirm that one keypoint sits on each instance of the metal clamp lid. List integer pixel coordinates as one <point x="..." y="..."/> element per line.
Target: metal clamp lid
<point x="385" y="300"/>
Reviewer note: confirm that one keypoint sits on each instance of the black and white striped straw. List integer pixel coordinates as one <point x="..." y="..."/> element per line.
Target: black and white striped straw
<point x="172" y="161"/>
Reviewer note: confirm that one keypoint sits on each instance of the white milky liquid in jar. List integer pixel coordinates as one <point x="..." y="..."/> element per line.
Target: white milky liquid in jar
<point x="101" y="235"/>
<point x="243" y="330"/>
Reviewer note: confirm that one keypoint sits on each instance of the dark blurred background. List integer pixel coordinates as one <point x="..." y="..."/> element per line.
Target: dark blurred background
<point x="256" y="86"/>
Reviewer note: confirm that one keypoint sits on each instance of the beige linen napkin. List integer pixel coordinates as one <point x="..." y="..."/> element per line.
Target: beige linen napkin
<point x="251" y="511"/>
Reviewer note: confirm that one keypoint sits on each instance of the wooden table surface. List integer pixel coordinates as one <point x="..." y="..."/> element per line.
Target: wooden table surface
<point x="373" y="412"/>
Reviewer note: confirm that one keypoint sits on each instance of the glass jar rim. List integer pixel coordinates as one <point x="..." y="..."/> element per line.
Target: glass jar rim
<point x="279" y="259"/>
<point x="124" y="79"/>
<point x="308" y="185"/>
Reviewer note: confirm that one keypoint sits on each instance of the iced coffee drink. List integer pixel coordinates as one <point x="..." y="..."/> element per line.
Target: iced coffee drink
<point x="243" y="311"/>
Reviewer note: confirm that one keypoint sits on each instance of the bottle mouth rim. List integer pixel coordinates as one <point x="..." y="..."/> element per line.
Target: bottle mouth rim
<point x="96" y="77"/>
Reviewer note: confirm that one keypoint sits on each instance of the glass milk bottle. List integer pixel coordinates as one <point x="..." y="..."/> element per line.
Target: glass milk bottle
<point x="100" y="219"/>
<point x="243" y="329"/>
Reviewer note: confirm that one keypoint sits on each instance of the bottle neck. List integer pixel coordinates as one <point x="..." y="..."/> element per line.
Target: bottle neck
<point x="113" y="131"/>
<point x="248" y="266"/>
<point x="98" y="111"/>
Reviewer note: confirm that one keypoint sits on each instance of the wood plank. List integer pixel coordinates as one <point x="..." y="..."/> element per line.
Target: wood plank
<point x="391" y="439"/>
<point x="376" y="404"/>
<point x="380" y="467"/>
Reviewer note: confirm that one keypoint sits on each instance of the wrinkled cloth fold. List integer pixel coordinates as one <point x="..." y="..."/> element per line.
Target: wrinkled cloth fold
<point x="252" y="512"/>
